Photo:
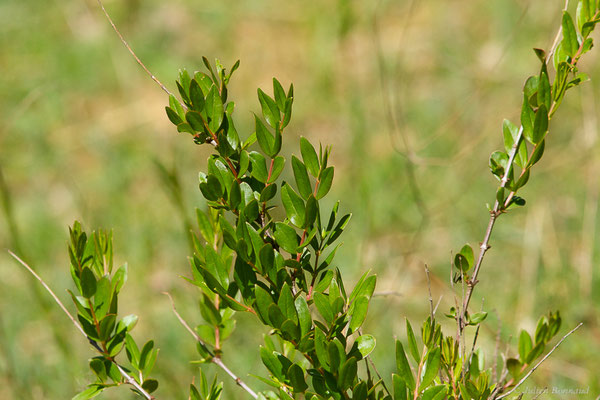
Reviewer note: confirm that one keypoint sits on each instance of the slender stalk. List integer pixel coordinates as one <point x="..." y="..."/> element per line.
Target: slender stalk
<point x="214" y="358"/>
<point x="124" y="374"/>
<point x="539" y="362"/>
<point x="154" y="78"/>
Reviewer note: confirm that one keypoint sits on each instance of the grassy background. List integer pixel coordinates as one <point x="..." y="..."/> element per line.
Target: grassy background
<point x="410" y="94"/>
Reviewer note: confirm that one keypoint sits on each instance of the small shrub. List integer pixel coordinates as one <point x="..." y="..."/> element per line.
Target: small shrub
<point x="266" y="247"/>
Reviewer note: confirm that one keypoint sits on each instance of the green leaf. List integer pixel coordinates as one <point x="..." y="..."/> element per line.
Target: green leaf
<point x="263" y="301"/>
<point x="366" y="344"/>
<point x="312" y="211"/>
<point x="150" y="385"/>
<point x="538" y="152"/>
<point x="214" y="109"/>
<point x="173" y="116"/>
<point x="89" y="393"/>
<point x="235" y="195"/>
<point x="301" y="176"/>
<point x="196" y="96"/>
<point x="133" y="353"/>
<point x="412" y="342"/>
<point x="309" y="156"/>
<point x="287" y="113"/>
<point x="358" y="312"/>
<point x="321" y="348"/>
<point x="209" y="311"/>
<point x="268" y="192"/>
<point x="276" y="316"/>
<point x="267" y="257"/>
<point x="102" y="297"/>
<point x="435" y="393"/>
<point x="359" y="391"/>
<point x="296" y="377"/>
<point x="129" y="321"/>
<point x="303" y="312"/>
<point x="403" y="367"/>
<point x="205" y="226"/>
<point x="347" y="373"/>
<point x="540" y="126"/>
<point x="514" y="367"/>
<point x="272" y="363"/>
<point x="293" y="204"/>
<point x="211" y="189"/>
<point x="325" y="180"/>
<point x="269" y="109"/>
<point x="544" y="96"/>
<point x="430" y="367"/>
<point x="337" y="355"/>
<point x="259" y="166"/>
<point x="324" y="307"/>
<point x="279" y="93"/>
<point x="570" y="43"/>
<point x="278" y="164"/>
<point x="286" y="237"/>
<point x="477" y="318"/>
<point x="185" y="127"/>
<point x="527" y="117"/>
<point x="265" y="139"/>
<point x="399" y="388"/>
<point x="88" y="283"/>
<point x="588" y="27"/>
<point x="286" y="303"/>
<point x="465" y="259"/>
<point x="537" y="351"/>
<point x="145" y="355"/>
<point x="195" y="120"/>
<point x="525" y="346"/>
<point x="364" y="286"/>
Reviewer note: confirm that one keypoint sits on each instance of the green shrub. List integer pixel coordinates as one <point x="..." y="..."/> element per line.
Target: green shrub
<point x="266" y="247"/>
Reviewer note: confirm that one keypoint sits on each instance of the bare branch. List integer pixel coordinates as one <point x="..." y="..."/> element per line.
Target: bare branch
<point x="431" y="313"/>
<point x="214" y="359"/>
<point x="154" y="78"/>
<point x="56" y="299"/>
<point x="540" y="362"/>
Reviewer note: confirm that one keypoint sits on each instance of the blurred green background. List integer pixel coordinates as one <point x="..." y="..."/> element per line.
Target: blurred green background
<point x="410" y="94"/>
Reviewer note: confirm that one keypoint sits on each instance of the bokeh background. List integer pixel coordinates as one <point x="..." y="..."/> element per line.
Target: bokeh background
<point x="410" y="94"/>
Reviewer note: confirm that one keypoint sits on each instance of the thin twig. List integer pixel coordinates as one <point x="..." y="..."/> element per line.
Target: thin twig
<point x="214" y="359"/>
<point x="125" y="375"/>
<point x="540" y="362"/>
<point x="557" y="37"/>
<point x="378" y="375"/>
<point x="437" y="304"/>
<point x="540" y="393"/>
<point x="154" y="78"/>
<point x="32" y="272"/>
<point x="430" y="297"/>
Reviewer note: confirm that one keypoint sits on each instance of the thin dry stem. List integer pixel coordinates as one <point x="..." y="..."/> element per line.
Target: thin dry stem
<point x="540" y="362"/>
<point x="125" y="375"/>
<point x="137" y="59"/>
<point x="430" y="297"/>
<point x="214" y="359"/>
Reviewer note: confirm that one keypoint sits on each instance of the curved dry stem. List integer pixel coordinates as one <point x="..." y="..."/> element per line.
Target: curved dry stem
<point x="124" y="374"/>
<point x="539" y="363"/>
<point x="214" y="359"/>
<point x="137" y="59"/>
